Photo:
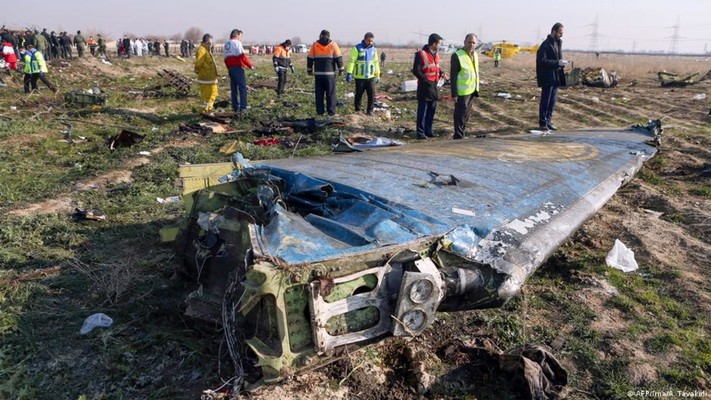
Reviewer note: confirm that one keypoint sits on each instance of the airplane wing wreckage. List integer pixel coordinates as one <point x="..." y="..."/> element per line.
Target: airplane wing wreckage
<point x="299" y="259"/>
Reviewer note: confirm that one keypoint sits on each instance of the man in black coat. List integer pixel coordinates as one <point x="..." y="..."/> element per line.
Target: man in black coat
<point x="550" y="75"/>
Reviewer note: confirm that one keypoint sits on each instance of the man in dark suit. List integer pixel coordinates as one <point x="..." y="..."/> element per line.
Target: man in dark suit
<point x="550" y="75"/>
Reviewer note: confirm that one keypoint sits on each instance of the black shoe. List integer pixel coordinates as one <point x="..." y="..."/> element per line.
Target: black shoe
<point x="429" y="135"/>
<point x="552" y="127"/>
<point x="369" y="113"/>
<point x="543" y="127"/>
<point x="420" y="137"/>
<point x="455" y="137"/>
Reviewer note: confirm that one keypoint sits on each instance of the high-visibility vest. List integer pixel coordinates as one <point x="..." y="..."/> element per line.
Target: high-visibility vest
<point x="322" y="59"/>
<point x="468" y="76"/>
<point x="34" y="62"/>
<point x="497" y="56"/>
<point x="430" y="65"/>
<point x="363" y="62"/>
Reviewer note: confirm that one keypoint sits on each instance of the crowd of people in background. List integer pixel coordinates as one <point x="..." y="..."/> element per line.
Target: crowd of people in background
<point x="324" y="62"/>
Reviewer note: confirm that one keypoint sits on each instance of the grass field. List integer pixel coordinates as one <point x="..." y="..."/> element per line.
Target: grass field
<point x="614" y="332"/>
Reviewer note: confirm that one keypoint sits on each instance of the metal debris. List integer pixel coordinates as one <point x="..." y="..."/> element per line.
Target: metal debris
<point x="84" y="98"/>
<point x="124" y="139"/>
<point x="175" y="79"/>
<point x="668" y="79"/>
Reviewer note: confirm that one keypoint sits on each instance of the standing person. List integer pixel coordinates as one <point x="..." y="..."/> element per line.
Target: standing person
<point x="383" y="56"/>
<point x="165" y="47"/>
<point x="127" y="46"/>
<point x="80" y="43"/>
<point x="67" y="43"/>
<point x="92" y="46"/>
<point x="236" y="60"/>
<point x="550" y="74"/>
<point x="364" y="66"/>
<point x="426" y="69"/>
<point x="323" y="60"/>
<point x="497" y="57"/>
<point x="62" y="46"/>
<point x="41" y="43"/>
<point x="206" y="70"/>
<point x="48" y="53"/>
<point x="101" y="43"/>
<point x="35" y="68"/>
<point x="183" y="48"/>
<point x="156" y="48"/>
<point x="464" y="76"/>
<point x="8" y="52"/>
<point x="191" y="48"/>
<point x="282" y="60"/>
<point x="54" y="42"/>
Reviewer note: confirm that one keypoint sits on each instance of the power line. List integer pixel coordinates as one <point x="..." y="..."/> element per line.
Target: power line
<point x="594" y="36"/>
<point x="674" y="42"/>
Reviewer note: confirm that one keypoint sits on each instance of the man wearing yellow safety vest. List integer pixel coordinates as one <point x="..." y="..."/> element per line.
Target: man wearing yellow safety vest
<point x="364" y="66"/>
<point x="497" y="57"/>
<point x="206" y="71"/>
<point x="35" y="68"/>
<point x="465" y="83"/>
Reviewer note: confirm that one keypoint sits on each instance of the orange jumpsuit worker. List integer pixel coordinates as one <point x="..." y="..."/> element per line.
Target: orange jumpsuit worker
<point x="323" y="60"/>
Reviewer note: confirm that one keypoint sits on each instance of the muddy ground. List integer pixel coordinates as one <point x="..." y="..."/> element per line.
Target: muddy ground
<point x="613" y="332"/>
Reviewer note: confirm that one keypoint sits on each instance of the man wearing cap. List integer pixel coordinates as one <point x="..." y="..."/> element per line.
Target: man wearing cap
<point x="426" y="69"/>
<point x="236" y="60"/>
<point x="282" y="60"/>
<point x="323" y="60"/>
<point x="364" y="66"/>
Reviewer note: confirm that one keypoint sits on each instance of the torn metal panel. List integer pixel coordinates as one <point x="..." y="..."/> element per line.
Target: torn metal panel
<point x="668" y="79"/>
<point x="343" y="250"/>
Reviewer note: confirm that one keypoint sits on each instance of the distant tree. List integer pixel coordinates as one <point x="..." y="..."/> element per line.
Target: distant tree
<point x="194" y="34"/>
<point x="296" y="40"/>
<point x="176" y="37"/>
<point x="129" y="35"/>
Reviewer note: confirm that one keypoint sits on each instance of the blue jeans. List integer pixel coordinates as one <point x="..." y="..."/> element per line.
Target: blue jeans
<point x="238" y="82"/>
<point x="545" y="110"/>
<point x="425" y="117"/>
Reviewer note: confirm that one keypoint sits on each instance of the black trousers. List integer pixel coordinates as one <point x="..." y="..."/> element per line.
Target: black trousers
<point x="30" y="82"/>
<point x="325" y="87"/>
<point x="80" y="51"/>
<point x="365" y="85"/>
<point x="549" y="94"/>
<point x="462" y="110"/>
<point x="281" y="75"/>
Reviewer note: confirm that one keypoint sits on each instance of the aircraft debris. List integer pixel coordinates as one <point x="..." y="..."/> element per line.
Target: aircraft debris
<point x="318" y="255"/>
<point x="360" y="142"/>
<point x="309" y="125"/>
<point x="125" y="138"/>
<point x="668" y="79"/>
<point x="88" y="215"/>
<point x="592" y="77"/>
<point x="176" y="80"/>
<point x="84" y="98"/>
<point x="267" y="142"/>
<point x="533" y="367"/>
<point x="409" y="86"/>
<point x="700" y="96"/>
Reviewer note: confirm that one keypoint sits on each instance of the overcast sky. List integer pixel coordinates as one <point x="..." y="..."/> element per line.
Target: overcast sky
<point x="622" y="24"/>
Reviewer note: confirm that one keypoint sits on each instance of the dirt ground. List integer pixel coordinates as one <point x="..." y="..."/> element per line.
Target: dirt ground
<point x="601" y="317"/>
